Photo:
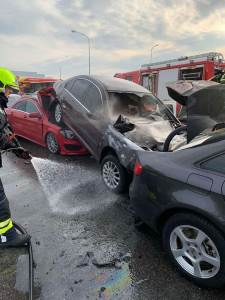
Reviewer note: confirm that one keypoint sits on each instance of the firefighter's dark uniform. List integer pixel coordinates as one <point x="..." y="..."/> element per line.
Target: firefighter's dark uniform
<point x="5" y="218"/>
<point x="8" y="234"/>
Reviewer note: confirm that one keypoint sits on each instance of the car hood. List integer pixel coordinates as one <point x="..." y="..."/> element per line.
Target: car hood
<point x="148" y="134"/>
<point x="205" y="102"/>
<point x="47" y="96"/>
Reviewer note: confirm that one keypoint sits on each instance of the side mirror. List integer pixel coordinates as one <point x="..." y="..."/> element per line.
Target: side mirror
<point x="35" y="115"/>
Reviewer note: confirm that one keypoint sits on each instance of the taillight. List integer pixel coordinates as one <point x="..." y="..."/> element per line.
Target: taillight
<point x="138" y="169"/>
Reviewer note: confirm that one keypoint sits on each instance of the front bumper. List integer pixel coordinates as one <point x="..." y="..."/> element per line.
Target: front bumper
<point x="72" y="147"/>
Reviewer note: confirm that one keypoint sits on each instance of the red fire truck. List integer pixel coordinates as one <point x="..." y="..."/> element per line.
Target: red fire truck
<point x="30" y="85"/>
<point x="156" y="76"/>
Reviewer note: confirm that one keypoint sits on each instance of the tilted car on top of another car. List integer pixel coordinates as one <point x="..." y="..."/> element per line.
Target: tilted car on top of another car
<point x="113" y="118"/>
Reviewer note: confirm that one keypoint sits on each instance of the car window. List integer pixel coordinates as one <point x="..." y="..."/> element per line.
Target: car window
<point x="216" y="164"/>
<point x="69" y="84"/>
<point x="30" y="107"/>
<point x="12" y="99"/>
<point x="139" y="105"/>
<point x="78" y="89"/>
<point x="20" y="106"/>
<point x="92" y="99"/>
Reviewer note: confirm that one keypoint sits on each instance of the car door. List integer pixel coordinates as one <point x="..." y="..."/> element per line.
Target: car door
<point x="75" y="111"/>
<point x="34" y="124"/>
<point x="93" y="126"/>
<point x="17" y="118"/>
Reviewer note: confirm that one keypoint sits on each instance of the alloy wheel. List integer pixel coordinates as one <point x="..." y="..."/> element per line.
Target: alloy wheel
<point x="195" y="251"/>
<point x="58" y="113"/>
<point x="52" y="143"/>
<point x="111" y="174"/>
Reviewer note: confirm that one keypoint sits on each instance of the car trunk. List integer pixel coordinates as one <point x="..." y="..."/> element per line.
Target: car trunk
<point x="205" y="104"/>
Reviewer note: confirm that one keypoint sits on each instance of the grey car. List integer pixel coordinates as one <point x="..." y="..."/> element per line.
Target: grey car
<point x="181" y="194"/>
<point x="114" y="118"/>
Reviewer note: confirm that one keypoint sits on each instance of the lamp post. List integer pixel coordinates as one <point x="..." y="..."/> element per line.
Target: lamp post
<point x="89" y="48"/>
<point x="156" y="45"/>
<point x="60" y="67"/>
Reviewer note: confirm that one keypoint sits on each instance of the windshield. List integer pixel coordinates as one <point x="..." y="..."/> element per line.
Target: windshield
<point x="138" y="105"/>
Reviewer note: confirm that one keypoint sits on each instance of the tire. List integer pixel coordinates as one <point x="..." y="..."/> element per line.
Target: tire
<point x="119" y="182"/>
<point x="57" y="114"/>
<point x="52" y="143"/>
<point x="189" y="241"/>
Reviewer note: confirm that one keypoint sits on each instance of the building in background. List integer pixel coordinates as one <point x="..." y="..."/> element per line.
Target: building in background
<point x="27" y="74"/>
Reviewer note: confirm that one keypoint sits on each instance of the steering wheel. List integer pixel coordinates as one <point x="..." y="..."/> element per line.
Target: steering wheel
<point x="172" y="135"/>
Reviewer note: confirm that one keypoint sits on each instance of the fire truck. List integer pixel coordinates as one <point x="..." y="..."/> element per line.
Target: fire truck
<point x="156" y="76"/>
<point x="30" y="85"/>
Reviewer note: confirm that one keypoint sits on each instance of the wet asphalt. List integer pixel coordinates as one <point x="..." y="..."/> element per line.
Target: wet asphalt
<point x="84" y="240"/>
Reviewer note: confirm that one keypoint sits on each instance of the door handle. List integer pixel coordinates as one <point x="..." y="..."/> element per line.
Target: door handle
<point x="25" y="117"/>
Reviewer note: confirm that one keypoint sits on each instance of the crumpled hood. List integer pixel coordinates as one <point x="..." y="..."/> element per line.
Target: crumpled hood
<point x="47" y="96"/>
<point x="147" y="133"/>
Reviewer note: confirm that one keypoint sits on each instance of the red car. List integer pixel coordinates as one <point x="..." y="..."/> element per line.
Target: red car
<point x="31" y="120"/>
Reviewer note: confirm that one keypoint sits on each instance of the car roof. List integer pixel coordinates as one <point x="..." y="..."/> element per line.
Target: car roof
<point x="120" y="85"/>
<point x="111" y="84"/>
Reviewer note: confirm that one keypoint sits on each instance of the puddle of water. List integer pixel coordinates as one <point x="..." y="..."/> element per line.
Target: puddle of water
<point x="71" y="188"/>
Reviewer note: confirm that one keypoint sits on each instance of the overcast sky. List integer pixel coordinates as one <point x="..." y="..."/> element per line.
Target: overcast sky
<point x="36" y="35"/>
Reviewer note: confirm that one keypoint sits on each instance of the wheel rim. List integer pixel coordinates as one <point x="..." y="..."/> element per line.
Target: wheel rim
<point x="111" y="174"/>
<point x="52" y="143"/>
<point x="58" y="113"/>
<point x="194" y="251"/>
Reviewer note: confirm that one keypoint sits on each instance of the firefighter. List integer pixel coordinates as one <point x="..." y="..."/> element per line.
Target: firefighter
<point x="8" y="234"/>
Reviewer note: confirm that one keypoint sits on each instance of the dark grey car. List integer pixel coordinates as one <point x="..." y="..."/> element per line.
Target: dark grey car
<point x="181" y="194"/>
<point x="114" y="118"/>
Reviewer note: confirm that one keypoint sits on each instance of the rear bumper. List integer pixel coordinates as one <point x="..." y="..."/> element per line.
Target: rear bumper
<point x="144" y="202"/>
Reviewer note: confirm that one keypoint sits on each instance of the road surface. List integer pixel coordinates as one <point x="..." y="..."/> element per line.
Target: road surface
<point x="85" y="244"/>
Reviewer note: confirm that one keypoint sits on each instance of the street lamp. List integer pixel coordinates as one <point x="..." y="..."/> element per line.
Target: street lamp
<point x="89" y="48"/>
<point x="60" y="67"/>
<point x="156" y="45"/>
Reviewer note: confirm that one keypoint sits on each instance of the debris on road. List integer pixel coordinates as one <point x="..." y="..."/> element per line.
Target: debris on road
<point x="114" y="263"/>
<point x="141" y="281"/>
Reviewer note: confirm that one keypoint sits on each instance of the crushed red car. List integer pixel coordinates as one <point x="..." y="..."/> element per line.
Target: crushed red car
<point x="31" y="118"/>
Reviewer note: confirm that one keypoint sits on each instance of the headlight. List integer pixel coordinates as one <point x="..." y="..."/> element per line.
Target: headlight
<point x="68" y="134"/>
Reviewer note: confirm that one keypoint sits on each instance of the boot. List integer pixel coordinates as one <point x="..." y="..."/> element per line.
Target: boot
<point x="11" y="238"/>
